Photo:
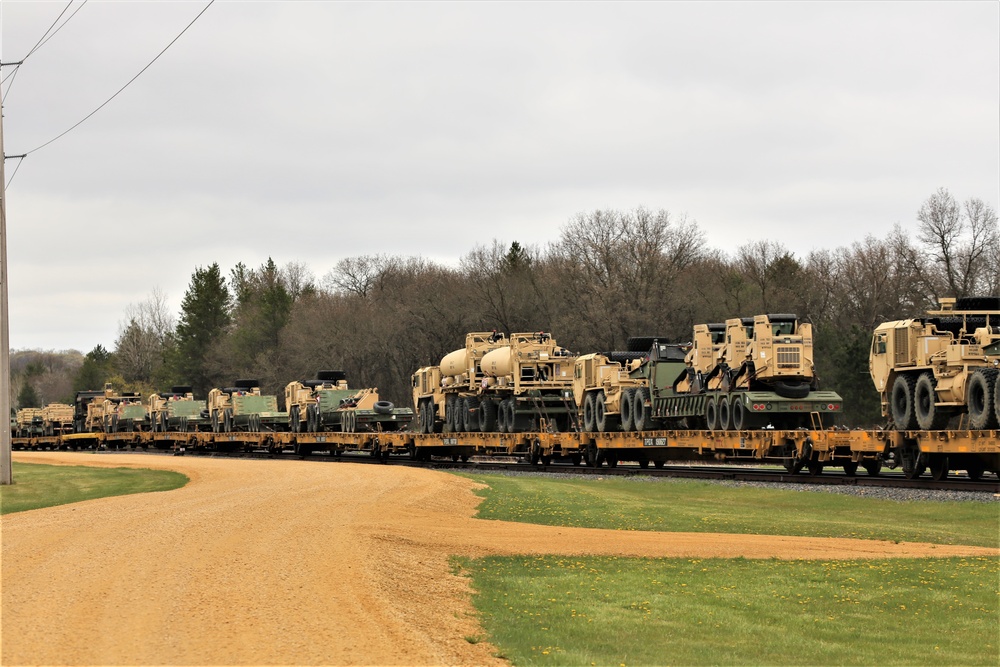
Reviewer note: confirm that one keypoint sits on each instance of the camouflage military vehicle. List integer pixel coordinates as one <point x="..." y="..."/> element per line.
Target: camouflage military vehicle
<point x="57" y="418"/>
<point x="177" y="410"/>
<point x="328" y="404"/>
<point x="28" y="423"/>
<point x="243" y="408"/>
<point x="946" y="363"/>
<point x="114" y="412"/>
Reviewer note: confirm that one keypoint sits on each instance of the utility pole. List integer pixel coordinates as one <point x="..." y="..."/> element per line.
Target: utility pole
<point x="6" y="470"/>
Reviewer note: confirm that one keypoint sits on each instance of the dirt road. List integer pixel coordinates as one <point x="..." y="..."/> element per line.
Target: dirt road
<point x="281" y="562"/>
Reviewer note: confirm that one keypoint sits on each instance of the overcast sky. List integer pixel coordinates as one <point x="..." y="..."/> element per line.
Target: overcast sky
<point x="314" y="131"/>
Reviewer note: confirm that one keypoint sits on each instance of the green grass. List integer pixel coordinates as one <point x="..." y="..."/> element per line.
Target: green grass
<point x="619" y="611"/>
<point x="38" y="485"/>
<point x="690" y="506"/>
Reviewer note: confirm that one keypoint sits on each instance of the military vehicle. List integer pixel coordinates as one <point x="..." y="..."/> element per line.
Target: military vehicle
<point x="113" y="412"/>
<point x="696" y="386"/>
<point x="601" y="382"/>
<point x="527" y="384"/>
<point x="440" y="392"/>
<point x="946" y="363"/>
<point x="28" y="423"/>
<point x="57" y="418"/>
<point x="177" y="410"/>
<point x="328" y="404"/>
<point x="243" y="408"/>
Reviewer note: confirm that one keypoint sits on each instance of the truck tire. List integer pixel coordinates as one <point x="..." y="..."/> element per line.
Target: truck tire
<point x="625" y="409"/>
<point x="503" y="424"/>
<point x="294" y="424"/>
<point x="383" y="407"/>
<point x="470" y="414"/>
<point x="602" y="421"/>
<point x="712" y="414"/>
<point x="980" y="398"/>
<point x="792" y="390"/>
<point x="642" y="414"/>
<point x="450" y="410"/>
<point x="901" y="403"/>
<point x="738" y="415"/>
<point x="930" y="417"/>
<point x="588" y="413"/>
<point x="488" y="416"/>
<point x="725" y="414"/>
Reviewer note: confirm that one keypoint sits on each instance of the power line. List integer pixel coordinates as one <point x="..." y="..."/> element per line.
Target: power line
<point x="81" y="121"/>
<point x="41" y="42"/>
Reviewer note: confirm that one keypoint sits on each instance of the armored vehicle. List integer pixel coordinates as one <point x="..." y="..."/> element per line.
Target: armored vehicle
<point x="243" y="408"/>
<point x="946" y="363"/>
<point x="328" y="404"/>
<point x="113" y="412"/>
<point x="177" y="410"/>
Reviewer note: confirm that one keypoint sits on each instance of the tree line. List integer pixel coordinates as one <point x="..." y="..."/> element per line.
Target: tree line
<point x="610" y="275"/>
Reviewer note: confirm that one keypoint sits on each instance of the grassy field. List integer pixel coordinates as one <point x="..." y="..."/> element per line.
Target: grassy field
<point x="38" y="485"/>
<point x="619" y="611"/>
<point x="702" y="507"/>
<point x="627" y="611"/>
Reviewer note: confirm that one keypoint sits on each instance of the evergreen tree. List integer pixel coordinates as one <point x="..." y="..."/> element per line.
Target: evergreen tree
<point x="28" y="397"/>
<point x="96" y="368"/>
<point x="205" y="314"/>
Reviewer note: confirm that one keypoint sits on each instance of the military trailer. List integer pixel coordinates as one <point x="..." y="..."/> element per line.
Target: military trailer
<point x="57" y="418"/>
<point x="929" y="369"/>
<point x="177" y="410"/>
<point x="243" y="408"/>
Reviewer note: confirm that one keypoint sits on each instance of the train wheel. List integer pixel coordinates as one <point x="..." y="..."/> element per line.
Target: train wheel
<point x="939" y="467"/>
<point x="589" y="420"/>
<point x="643" y="463"/>
<point x="576" y="459"/>
<point x="625" y="409"/>
<point x="901" y="401"/>
<point x="930" y="416"/>
<point x="814" y="467"/>
<point x="658" y="464"/>
<point x="851" y="468"/>
<point x="873" y="468"/>
<point x="974" y="469"/>
<point x="612" y="460"/>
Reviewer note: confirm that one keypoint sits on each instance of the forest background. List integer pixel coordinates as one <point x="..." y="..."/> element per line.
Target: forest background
<point x="611" y="275"/>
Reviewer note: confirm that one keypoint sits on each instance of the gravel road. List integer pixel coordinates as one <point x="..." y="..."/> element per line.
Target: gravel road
<point x="290" y="562"/>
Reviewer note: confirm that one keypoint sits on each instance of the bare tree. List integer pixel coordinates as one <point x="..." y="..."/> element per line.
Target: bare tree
<point x="961" y="241"/>
<point x="143" y="337"/>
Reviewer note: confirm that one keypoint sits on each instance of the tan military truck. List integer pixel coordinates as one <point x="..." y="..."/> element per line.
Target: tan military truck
<point x="57" y="418"/>
<point x="441" y="393"/>
<point x="946" y="363"/>
<point x="601" y="383"/>
<point x="526" y="381"/>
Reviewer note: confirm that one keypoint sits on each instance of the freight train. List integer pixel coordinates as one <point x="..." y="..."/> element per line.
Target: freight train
<point x="744" y="389"/>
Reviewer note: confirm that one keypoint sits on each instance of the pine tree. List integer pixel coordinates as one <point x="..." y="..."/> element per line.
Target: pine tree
<point x="205" y="314"/>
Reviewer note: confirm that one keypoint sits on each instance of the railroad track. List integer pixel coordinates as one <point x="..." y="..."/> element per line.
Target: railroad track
<point x="735" y="473"/>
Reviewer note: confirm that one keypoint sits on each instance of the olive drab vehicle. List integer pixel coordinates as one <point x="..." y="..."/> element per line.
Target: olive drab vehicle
<point x="932" y="368"/>
<point x="441" y="392"/>
<point x="28" y="423"/>
<point x="112" y="412"/>
<point x="243" y="408"/>
<point x="57" y="418"/>
<point x="328" y="404"/>
<point x="177" y="410"/>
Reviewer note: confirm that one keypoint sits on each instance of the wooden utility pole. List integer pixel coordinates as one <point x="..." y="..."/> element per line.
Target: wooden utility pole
<point x="6" y="472"/>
